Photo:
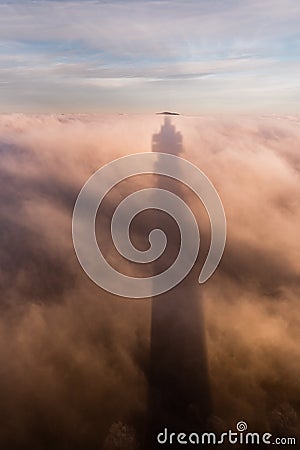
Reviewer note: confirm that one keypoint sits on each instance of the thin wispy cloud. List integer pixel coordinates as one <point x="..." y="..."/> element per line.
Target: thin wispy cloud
<point x="102" y="56"/>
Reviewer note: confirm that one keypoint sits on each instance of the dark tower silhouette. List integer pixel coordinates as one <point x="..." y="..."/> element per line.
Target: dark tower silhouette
<point x="179" y="397"/>
<point x="168" y="140"/>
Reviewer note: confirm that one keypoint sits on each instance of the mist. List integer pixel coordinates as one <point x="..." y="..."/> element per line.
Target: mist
<point x="74" y="359"/>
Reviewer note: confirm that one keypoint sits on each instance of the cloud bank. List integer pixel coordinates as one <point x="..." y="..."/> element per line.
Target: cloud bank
<point x="74" y="359"/>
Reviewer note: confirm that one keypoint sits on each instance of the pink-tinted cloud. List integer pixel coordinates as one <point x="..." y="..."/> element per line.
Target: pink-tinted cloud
<point x="74" y="358"/>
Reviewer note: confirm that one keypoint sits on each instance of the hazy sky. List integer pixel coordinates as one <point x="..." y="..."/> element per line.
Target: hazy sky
<point x="192" y="56"/>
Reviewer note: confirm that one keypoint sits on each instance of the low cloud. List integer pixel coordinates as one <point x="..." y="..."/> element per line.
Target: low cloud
<point x="74" y="359"/>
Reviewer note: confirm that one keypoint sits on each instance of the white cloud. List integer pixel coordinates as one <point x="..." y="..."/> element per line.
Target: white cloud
<point x="214" y="47"/>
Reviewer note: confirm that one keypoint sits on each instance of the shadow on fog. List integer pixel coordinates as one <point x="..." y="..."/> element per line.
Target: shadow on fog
<point x="179" y="396"/>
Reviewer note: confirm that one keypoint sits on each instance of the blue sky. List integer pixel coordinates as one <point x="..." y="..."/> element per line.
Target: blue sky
<point x="192" y="56"/>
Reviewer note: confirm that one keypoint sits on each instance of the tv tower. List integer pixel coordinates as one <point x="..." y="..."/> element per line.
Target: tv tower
<point x="179" y="397"/>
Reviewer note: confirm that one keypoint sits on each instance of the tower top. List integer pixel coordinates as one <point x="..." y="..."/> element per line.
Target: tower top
<point x="168" y="140"/>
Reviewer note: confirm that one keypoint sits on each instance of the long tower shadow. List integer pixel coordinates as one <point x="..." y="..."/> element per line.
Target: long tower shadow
<point x="179" y="397"/>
